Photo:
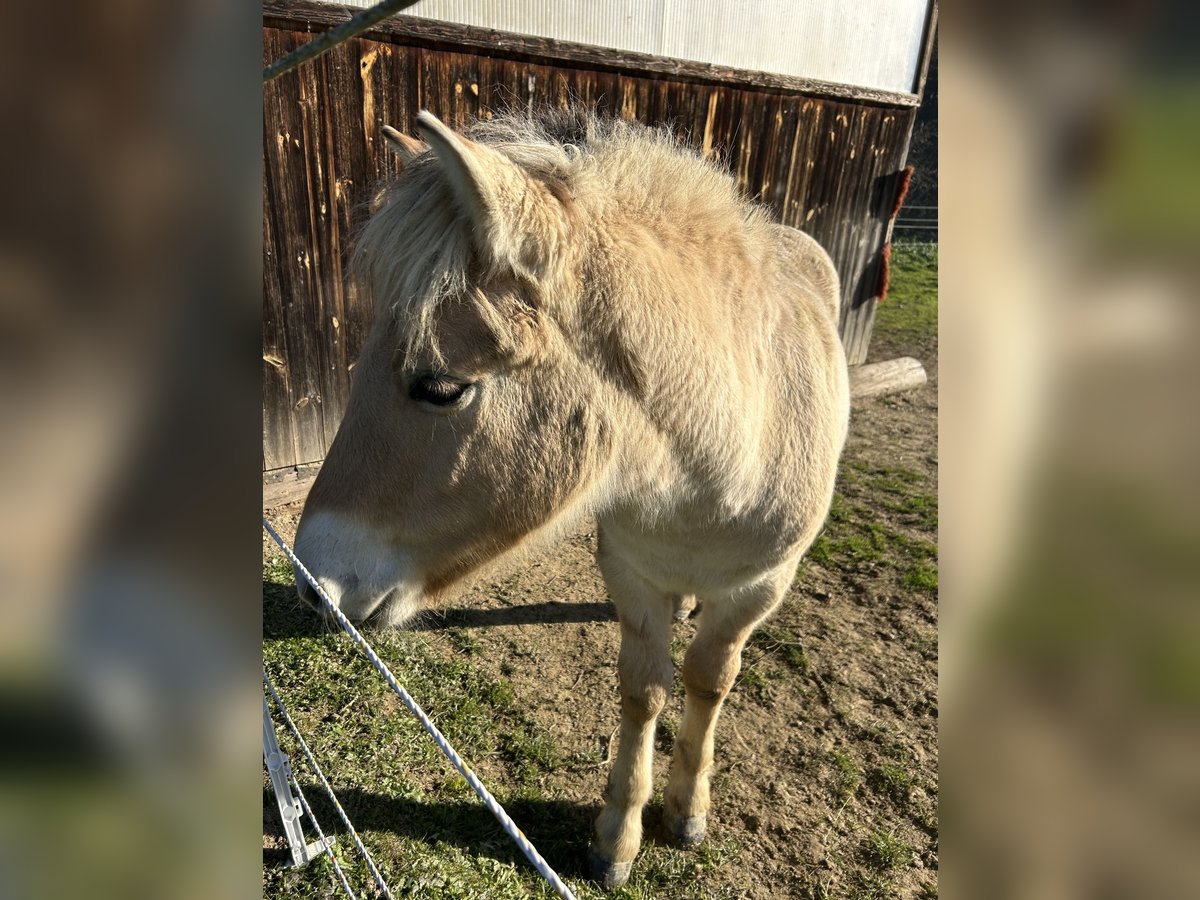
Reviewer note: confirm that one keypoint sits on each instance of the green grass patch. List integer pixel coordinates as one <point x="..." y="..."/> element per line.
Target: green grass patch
<point x="463" y="642"/>
<point x="277" y="570"/>
<point x="891" y="781"/>
<point x="892" y="488"/>
<point x="923" y="577"/>
<point x="784" y="644"/>
<point x="885" y="851"/>
<point x="429" y="833"/>
<point x="756" y="683"/>
<point x="821" y="552"/>
<point x="865" y="541"/>
<point x="872" y="886"/>
<point x="847" y="777"/>
<point x="665" y="730"/>
<point x="910" y="311"/>
<point x="858" y="536"/>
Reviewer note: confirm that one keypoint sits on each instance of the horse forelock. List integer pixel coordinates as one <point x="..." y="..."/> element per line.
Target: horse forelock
<point x="415" y="252"/>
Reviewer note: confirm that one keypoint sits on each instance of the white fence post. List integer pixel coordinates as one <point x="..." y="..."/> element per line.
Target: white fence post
<point x="289" y="807"/>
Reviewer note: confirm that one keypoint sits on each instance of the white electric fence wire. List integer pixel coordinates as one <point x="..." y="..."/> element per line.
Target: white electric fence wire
<point x="321" y="837"/>
<point x="328" y="790"/>
<point x="451" y="754"/>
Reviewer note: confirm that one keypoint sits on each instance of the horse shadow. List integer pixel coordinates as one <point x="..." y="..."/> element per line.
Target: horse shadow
<point x="550" y="612"/>
<point x="285" y="616"/>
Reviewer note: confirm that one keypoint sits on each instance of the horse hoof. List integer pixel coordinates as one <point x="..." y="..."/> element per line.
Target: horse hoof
<point x="609" y="875"/>
<point x="685" y="607"/>
<point x="689" y="832"/>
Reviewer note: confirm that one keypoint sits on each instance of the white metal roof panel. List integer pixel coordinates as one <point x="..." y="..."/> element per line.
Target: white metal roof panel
<point x="866" y="43"/>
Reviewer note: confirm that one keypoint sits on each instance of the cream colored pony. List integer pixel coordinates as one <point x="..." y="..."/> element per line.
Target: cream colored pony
<point x="577" y="317"/>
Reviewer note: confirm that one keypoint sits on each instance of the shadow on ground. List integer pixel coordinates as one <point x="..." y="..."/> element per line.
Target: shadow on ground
<point x="552" y="612"/>
<point x="560" y="830"/>
<point x="286" y="616"/>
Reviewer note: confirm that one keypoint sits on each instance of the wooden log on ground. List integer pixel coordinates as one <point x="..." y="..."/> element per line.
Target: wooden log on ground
<point x="887" y="377"/>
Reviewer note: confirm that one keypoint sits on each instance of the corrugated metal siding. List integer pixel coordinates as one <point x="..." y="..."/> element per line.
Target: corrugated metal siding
<point x="825" y="165"/>
<point x="868" y="43"/>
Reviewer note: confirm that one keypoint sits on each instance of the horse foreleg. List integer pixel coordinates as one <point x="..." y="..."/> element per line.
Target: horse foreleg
<point x="709" y="670"/>
<point x="646" y="673"/>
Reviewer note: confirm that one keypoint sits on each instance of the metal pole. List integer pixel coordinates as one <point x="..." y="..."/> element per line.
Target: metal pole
<point x="335" y="36"/>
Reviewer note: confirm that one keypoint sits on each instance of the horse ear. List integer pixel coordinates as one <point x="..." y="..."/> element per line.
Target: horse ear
<point x="405" y="147"/>
<point x="515" y="219"/>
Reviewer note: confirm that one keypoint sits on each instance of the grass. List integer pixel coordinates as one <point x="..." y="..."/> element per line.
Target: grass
<point x="783" y="643"/>
<point x="408" y="803"/>
<point x="885" y="851"/>
<point x="910" y="311"/>
<point x="892" y="781"/>
<point x="463" y="642"/>
<point x="856" y="538"/>
<point x="277" y="570"/>
<point x="883" y="854"/>
<point x="922" y="577"/>
<point x="847" y="777"/>
<point x="757" y="683"/>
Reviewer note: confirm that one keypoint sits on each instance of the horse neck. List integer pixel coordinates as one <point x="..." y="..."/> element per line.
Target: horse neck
<point x="696" y="337"/>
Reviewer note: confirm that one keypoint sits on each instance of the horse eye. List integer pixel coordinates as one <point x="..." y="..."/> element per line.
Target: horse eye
<point x="436" y="389"/>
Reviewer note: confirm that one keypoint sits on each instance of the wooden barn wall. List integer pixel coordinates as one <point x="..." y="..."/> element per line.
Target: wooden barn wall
<point x="827" y="166"/>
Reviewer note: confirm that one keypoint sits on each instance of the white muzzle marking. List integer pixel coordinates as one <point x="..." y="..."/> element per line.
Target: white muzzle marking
<point x="358" y="569"/>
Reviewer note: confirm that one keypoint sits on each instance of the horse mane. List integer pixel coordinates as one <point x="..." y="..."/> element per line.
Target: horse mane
<point x="415" y="254"/>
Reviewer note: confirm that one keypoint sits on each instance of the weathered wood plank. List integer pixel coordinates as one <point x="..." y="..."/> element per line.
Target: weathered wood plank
<point x="288" y="485"/>
<point x="288" y="149"/>
<point x="928" y="42"/>
<point x="279" y="447"/>
<point x="358" y="105"/>
<point x="865" y="234"/>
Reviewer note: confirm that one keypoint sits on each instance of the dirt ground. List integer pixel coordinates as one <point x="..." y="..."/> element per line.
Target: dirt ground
<point x="826" y="768"/>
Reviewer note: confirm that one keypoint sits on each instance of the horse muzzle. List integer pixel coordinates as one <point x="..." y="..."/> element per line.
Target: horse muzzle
<point x="361" y="574"/>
